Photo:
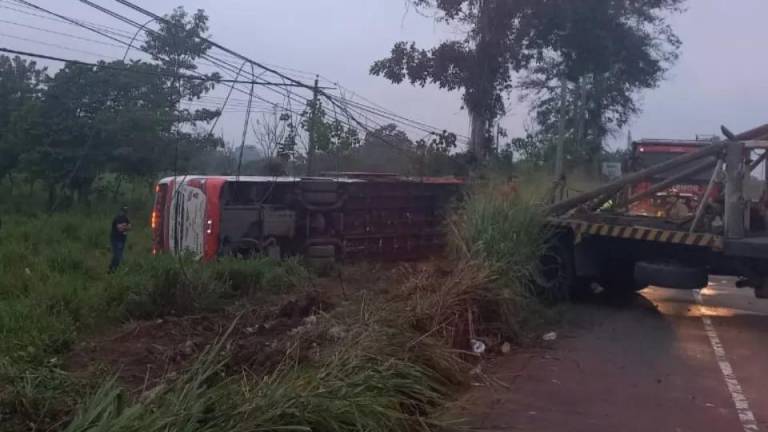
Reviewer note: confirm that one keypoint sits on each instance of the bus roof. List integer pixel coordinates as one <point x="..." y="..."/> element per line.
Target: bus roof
<point x="286" y="179"/>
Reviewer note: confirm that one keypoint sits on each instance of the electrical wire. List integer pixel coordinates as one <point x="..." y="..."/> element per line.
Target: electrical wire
<point x="58" y="33"/>
<point x="120" y="69"/>
<point x="51" y="45"/>
<point x="245" y="131"/>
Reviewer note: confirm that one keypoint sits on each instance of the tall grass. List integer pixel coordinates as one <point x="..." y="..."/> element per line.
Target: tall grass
<point x="505" y="233"/>
<point x="55" y="290"/>
<point x="369" y="381"/>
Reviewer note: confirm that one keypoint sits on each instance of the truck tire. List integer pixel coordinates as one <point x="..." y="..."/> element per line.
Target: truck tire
<point x="670" y="275"/>
<point x="557" y="272"/>
<point x="618" y="278"/>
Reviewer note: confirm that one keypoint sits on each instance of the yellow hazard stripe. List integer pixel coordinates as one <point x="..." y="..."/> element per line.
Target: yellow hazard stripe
<point x="582" y="229"/>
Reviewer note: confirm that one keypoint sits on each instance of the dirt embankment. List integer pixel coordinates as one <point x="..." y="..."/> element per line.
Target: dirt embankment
<point x="144" y="353"/>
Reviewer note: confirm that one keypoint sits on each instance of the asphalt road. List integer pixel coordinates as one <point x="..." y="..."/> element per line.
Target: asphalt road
<point x="670" y="360"/>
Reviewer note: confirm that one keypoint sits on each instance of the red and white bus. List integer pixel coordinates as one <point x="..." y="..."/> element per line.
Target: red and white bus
<point x="346" y="216"/>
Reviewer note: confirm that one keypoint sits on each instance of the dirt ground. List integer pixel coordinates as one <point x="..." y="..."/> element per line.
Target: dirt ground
<point x="143" y="353"/>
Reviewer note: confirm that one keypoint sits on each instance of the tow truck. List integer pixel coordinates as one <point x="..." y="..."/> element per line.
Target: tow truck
<point x="599" y="241"/>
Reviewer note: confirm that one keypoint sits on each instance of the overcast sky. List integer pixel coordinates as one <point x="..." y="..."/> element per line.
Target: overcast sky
<point x="720" y="78"/>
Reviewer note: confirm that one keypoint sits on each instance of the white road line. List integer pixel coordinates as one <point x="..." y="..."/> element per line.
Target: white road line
<point x="746" y="416"/>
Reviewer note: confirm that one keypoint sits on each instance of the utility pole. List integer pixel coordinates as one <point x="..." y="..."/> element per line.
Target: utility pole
<point x="313" y="128"/>
<point x="560" y="152"/>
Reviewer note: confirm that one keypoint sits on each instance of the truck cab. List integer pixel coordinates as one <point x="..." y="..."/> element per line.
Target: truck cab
<point x="681" y="199"/>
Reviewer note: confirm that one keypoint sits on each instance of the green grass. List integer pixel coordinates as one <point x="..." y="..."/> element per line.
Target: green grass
<point x="507" y="236"/>
<point x="55" y="291"/>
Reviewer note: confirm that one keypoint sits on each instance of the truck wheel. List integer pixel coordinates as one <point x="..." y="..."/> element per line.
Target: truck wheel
<point x="618" y="278"/>
<point x="557" y="272"/>
<point x="669" y="275"/>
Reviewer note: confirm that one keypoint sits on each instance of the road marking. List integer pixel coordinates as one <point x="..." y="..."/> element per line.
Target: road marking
<point x="746" y="416"/>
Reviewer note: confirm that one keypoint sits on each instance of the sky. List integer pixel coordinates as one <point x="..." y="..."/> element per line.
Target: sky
<point x="720" y="77"/>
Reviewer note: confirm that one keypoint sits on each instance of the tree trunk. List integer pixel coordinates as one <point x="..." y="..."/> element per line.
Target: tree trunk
<point x="478" y="145"/>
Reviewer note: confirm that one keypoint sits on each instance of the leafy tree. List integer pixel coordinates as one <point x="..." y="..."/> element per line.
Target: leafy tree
<point x="176" y="46"/>
<point x="329" y="137"/>
<point x="21" y="82"/>
<point x="605" y="53"/>
<point x="386" y="149"/>
<point x="628" y="38"/>
<point x="92" y="119"/>
<point x="433" y="155"/>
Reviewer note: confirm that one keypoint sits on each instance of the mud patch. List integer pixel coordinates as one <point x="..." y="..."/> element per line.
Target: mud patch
<point x="144" y="353"/>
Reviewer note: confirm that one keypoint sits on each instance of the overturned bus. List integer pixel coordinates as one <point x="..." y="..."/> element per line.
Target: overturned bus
<point x="352" y="215"/>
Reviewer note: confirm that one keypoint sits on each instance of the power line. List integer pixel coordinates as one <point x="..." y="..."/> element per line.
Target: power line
<point x="215" y="61"/>
<point x="107" y="29"/>
<point x="244" y="58"/>
<point x="52" y="45"/>
<point x="106" y="66"/>
<point x="225" y="66"/>
<point x="238" y="55"/>
<point x="69" y="35"/>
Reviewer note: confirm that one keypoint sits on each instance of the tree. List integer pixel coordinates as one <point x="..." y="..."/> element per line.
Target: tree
<point x="603" y="55"/>
<point x="508" y="36"/>
<point x="330" y="139"/>
<point x="176" y="46"/>
<point x="21" y="83"/>
<point x="480" y="64"/>
<point x="386" y="149"/>
<point x="92" y="119"/>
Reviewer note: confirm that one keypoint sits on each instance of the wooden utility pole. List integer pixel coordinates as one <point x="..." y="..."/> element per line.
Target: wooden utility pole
<point x="560" y="151"/>
<point x="313" y="129"/>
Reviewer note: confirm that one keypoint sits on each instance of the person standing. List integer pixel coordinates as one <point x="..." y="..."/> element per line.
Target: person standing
<point x="118" y="237"/>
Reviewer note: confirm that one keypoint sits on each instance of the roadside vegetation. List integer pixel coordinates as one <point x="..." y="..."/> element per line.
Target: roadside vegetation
<point x="371" y="356"/>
